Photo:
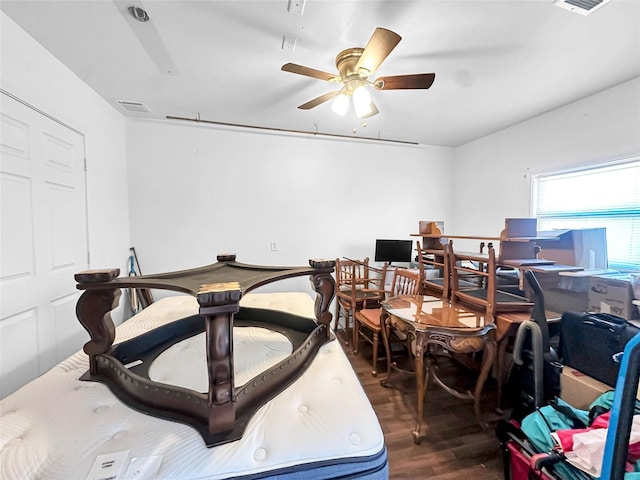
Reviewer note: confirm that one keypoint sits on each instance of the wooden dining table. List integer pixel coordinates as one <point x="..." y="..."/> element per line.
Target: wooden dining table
<point x="437" y="326"/>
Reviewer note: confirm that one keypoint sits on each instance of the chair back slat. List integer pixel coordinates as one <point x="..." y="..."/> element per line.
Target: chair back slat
<point x="436" y="260"/>
<point x="352" y="273"/>
<point x="405" y="282"/>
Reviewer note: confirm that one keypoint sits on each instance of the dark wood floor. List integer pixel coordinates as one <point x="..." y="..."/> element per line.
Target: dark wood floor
<point x="454" y="445"/>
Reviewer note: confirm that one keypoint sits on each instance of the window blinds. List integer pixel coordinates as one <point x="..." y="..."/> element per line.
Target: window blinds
<point x="597" y="197"/>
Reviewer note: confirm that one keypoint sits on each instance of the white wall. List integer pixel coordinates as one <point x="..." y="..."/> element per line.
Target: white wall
<point x="321" y="197"/>
<point x="32" y="74"/>
<point x="493" y="174"/>
<point x="196" y="191"/>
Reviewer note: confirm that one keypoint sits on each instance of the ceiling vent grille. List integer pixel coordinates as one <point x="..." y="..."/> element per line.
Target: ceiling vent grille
<point x="583" y="7"/>
<point x="134" y="106"/>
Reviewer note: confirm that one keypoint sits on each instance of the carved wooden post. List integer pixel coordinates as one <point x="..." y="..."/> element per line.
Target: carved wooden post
<point x="93" y="311"/>
<point x="325" y="286"/>
<point x="218" y="304"/>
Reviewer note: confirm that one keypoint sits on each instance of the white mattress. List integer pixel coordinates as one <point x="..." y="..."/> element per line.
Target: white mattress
<point x="56" y="426"/>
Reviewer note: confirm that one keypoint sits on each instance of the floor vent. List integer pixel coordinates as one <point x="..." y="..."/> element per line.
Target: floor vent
<point x="583" y="7"/>
<point x="134" y="106"/>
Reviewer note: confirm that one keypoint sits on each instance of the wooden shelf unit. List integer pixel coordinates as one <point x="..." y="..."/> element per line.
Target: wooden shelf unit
<point x="432" y="237"/>
<point x="518" y="244"/>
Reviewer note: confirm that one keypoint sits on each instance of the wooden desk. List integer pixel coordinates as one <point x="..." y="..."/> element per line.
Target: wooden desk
<point x="435" y="323"/>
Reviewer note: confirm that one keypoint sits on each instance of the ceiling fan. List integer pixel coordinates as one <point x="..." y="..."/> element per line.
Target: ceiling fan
<point x="355" y="66"/>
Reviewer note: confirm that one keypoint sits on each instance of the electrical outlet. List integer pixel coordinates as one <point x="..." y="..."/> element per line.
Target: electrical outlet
<point x="274" y="246"/>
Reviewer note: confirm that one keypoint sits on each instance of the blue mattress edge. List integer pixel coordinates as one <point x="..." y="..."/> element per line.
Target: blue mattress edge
<point x="371" y="467"/>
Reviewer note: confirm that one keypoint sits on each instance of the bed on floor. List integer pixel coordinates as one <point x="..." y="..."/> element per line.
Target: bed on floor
<point x="312" y="421"/>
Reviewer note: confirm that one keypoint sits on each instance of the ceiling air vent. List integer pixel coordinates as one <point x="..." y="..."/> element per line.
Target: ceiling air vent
<point x="134" y="106"/>
<point x="583" y="7"/>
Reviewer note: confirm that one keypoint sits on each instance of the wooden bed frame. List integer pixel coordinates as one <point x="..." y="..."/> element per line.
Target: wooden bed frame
<point x="220" y="415"/>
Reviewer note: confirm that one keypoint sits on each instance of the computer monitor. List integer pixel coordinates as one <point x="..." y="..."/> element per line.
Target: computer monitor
<point x="393" y="251"/>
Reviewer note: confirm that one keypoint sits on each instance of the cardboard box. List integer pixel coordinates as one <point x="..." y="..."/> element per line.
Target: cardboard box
<point x="560" y="300"/>
<point x="585" y="248"/>
<point x="568" y="290"/>
<point x="612" y="294"/>
<point x="580" y="390"/>
<point x="579" y="281"/>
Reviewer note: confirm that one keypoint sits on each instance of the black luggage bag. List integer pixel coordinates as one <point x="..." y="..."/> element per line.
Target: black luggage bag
<point x="589" y="341"/>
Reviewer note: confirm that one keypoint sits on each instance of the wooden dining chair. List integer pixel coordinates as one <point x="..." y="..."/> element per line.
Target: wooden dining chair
<point x="482" y="294"/>
<point x="357" y="286"/>
<point x="367" y="322"/>
<point x="435" y="271"/>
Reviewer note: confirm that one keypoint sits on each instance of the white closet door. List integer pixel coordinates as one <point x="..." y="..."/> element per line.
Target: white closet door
<point x="43" y="242"/>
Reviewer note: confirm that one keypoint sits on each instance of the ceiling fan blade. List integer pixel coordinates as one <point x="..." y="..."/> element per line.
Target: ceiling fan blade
<point x="378" y="48"/>
<point x="318" y="100"/>
<point x="309" y="72"/>
<point x="398" y="82"/>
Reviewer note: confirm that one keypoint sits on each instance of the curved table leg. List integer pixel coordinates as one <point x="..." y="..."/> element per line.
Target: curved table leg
<point x="467" y="395"/>
<point x="421" y="382"/>
<point x="489" y="355"/>
<point x="385" y="341"/>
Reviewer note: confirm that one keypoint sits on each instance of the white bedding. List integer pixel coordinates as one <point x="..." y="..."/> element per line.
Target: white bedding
<point x="56" y="426"/>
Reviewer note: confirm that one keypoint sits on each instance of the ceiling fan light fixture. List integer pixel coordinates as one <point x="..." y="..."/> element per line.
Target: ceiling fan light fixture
<point x="340" y="104"/>
<point x="373" y="110"/>
<point x="362" y="101"/>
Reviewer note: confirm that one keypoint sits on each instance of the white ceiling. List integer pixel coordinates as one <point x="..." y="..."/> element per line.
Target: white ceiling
<point x="497" y="63"/>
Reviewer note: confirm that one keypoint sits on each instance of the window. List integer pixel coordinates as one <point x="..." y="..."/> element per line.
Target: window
<point x="605" y="196"/>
